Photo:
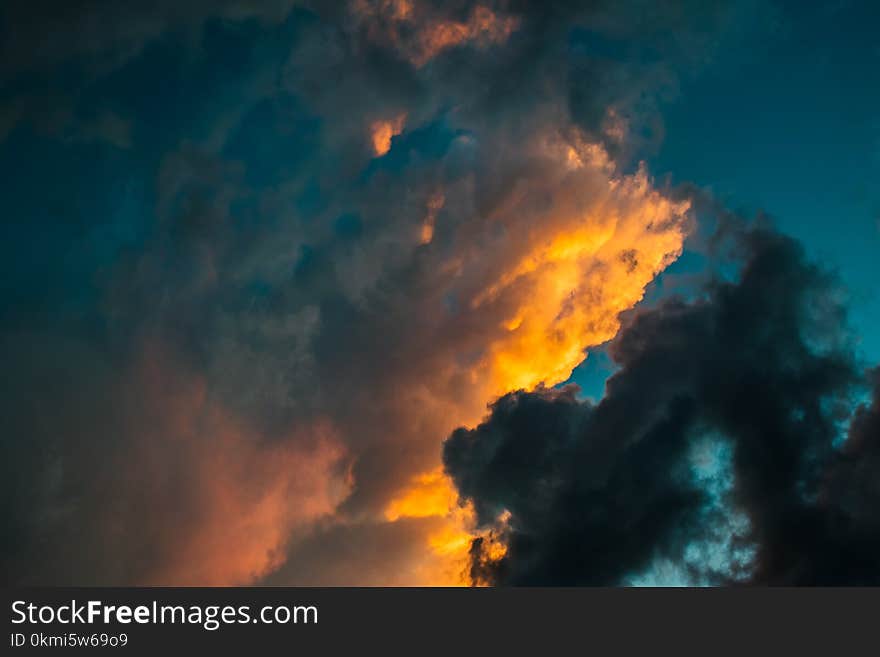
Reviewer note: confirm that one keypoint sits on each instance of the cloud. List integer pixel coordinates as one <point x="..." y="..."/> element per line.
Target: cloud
<point x="720" y="446"/>
<point x="144" y="478"/>
<point x="420" y="32"/>
<point x="383" y="131"/>
<point x="331" y="315"/>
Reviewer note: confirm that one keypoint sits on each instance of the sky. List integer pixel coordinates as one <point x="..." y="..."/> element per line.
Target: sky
<point x="804" y="117"/>
<point x="402" y="292"/>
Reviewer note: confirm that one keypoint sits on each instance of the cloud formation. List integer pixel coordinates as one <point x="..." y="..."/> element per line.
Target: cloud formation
<point x="344" y="230"/>
<point x="139" y="476"/>
<point x="720" y="450"/>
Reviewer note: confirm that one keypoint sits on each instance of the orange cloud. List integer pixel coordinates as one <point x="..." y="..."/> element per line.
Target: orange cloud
<point x="221" y="504"/>
<point x="580" y="243"/>
<point x="483" y="27"/>
<point x="433" y="495"/>
<point x="421" y="35"/>
<point x="435" y="204"/>
<point x="382" y="131"/>
<point x="429" y="494"/>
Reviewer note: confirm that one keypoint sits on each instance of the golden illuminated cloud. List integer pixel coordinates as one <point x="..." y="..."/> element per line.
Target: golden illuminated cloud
<point x="579" y="244"/>
<point x="383" y="130"/>
<point x="432" y="495"/>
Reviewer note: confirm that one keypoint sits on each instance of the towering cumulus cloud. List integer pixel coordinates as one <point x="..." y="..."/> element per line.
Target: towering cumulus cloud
<point x="719" y="453"/>
<point x="318" y="237"/>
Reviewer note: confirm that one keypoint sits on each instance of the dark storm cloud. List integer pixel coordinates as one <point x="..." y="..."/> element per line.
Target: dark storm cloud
<point x="598" y="493"/>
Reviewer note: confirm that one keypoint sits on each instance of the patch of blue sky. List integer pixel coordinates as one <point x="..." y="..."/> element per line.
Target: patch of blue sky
<point x="592" y="374"/>
<point x="763" y="136"/>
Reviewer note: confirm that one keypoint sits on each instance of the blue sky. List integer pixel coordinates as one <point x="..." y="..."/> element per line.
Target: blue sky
<point x="792" y="128"/>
